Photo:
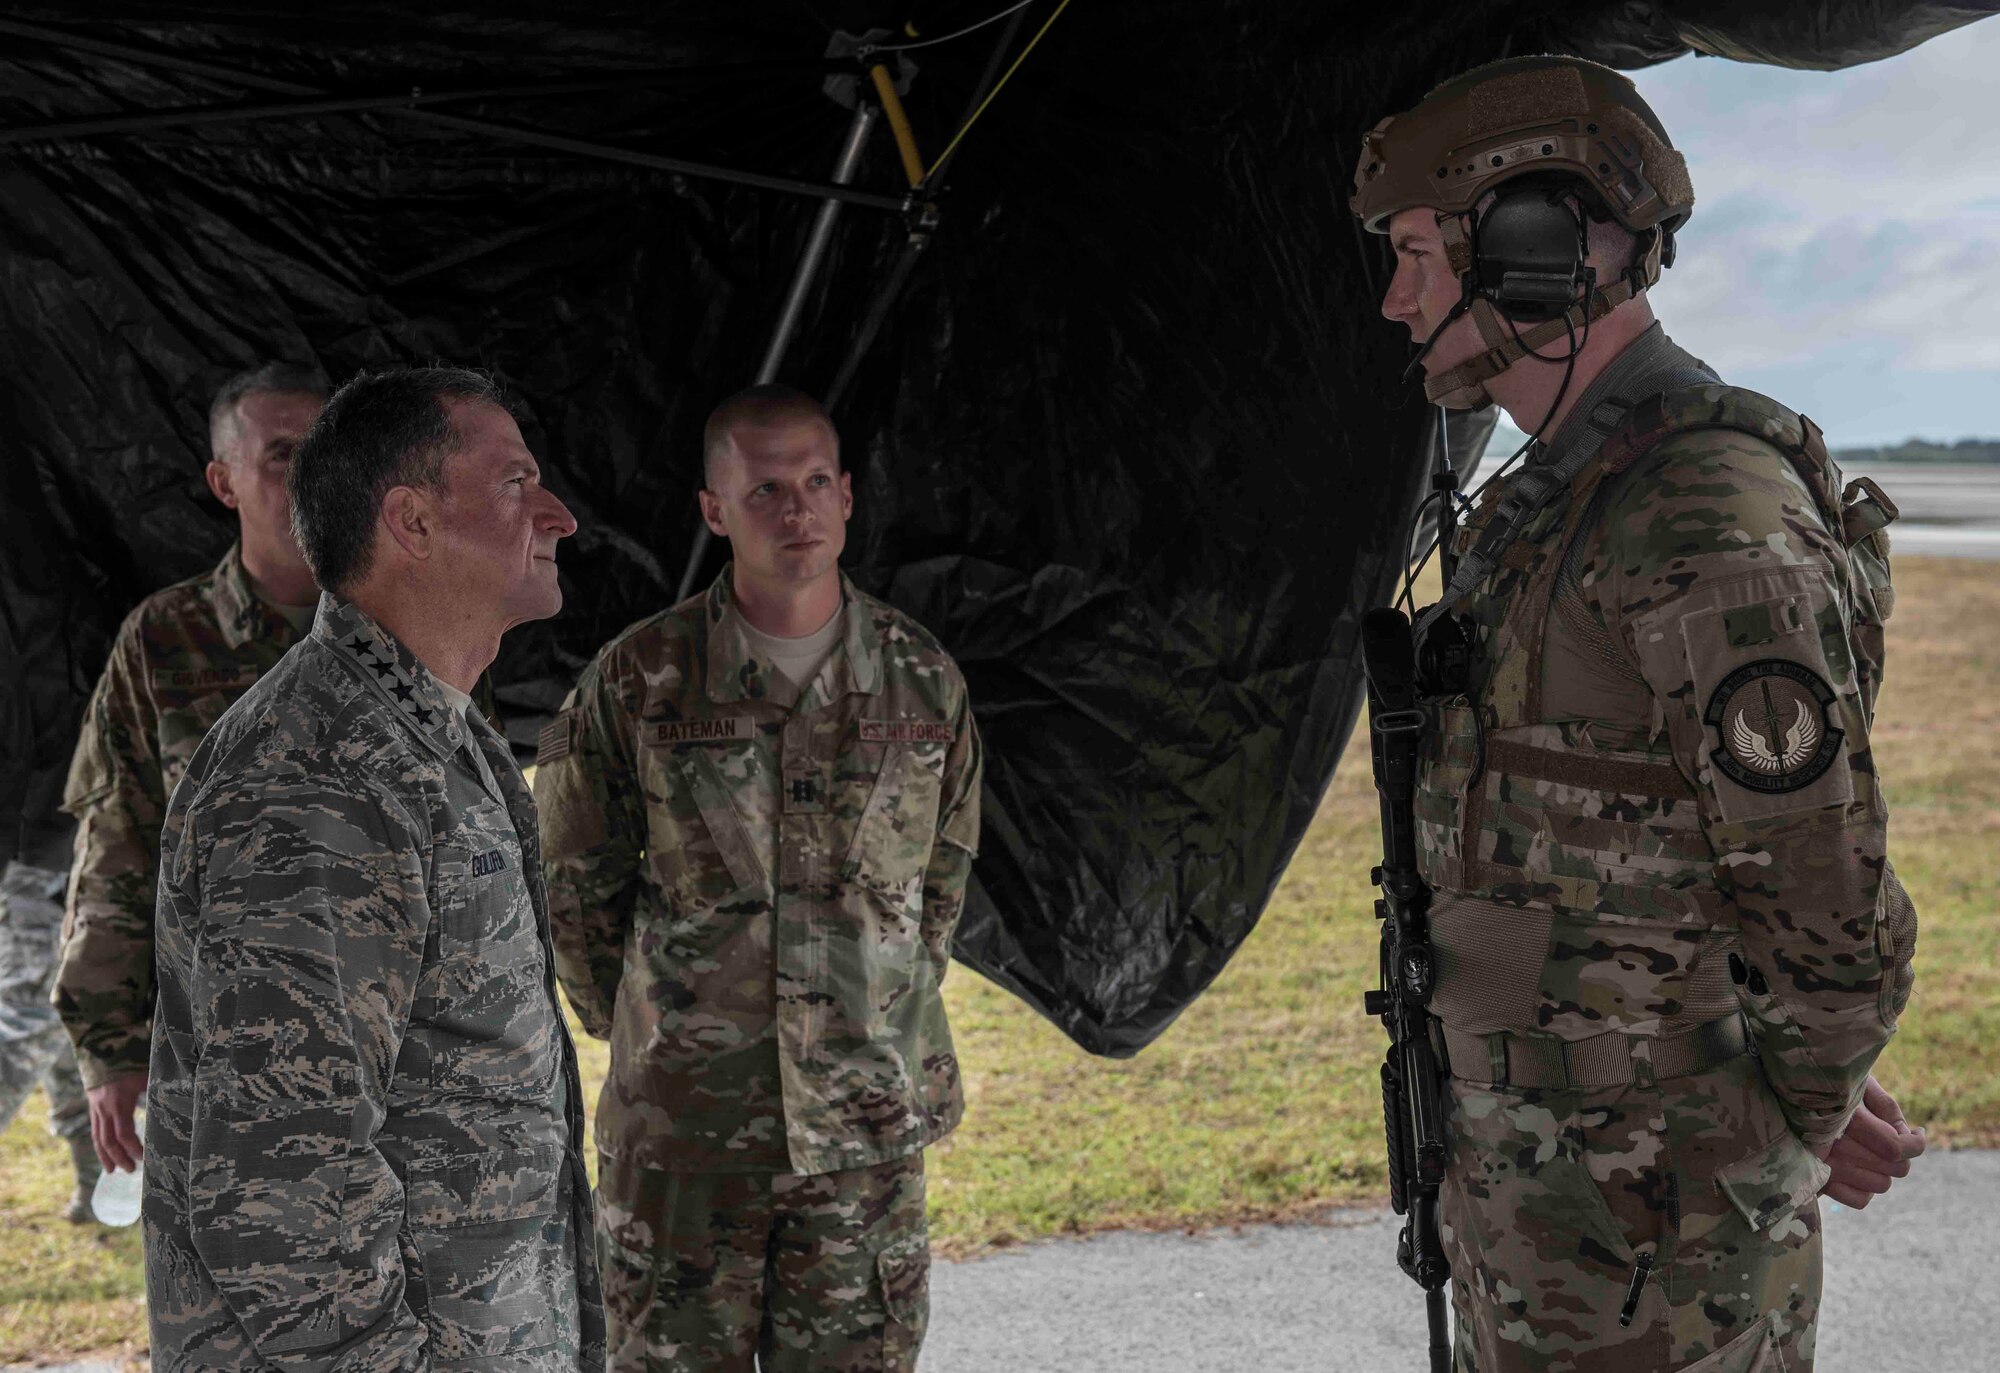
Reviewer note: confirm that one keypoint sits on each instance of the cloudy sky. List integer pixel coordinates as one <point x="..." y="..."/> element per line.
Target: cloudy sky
<point x="1844" y="255"/>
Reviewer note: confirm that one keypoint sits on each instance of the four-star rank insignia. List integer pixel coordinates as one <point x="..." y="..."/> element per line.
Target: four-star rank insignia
<point x="1773" y="725"/>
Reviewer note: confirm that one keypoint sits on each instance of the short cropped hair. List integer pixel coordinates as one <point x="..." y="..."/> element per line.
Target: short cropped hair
<point x="270" y="376"/>
<point x="380" y="431"/>
<point x="766" y="403"/>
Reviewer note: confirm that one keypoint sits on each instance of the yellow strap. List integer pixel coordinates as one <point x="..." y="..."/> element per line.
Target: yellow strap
<point x="899" y="123"/>
<point x="973" y="118"/>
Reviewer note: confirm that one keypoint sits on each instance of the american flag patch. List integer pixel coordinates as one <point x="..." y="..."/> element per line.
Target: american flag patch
<point x="555" y="741"/>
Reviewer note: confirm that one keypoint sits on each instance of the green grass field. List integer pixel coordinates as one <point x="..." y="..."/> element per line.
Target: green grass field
<point x="1261" y="1101"/>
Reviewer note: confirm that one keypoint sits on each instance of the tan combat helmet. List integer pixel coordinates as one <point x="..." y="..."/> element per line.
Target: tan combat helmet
<point x="1548" y="117"/>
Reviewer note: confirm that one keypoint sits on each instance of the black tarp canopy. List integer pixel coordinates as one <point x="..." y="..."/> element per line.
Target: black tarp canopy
<point x="1129" y="437"/>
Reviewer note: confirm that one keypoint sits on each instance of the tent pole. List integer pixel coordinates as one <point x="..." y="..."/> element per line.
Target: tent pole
<point x="810" y="260"/>
<point x="814" y="252"/>
<point x="402" y="108"/>
<point x="921" y="232"/>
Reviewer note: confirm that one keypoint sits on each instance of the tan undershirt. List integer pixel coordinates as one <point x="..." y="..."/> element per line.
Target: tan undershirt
<point x="799" y="660"/>
<point x="299" y="617"/>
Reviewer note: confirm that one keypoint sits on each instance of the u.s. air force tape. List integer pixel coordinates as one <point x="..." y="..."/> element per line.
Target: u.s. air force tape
<point x="1773" y="729"/>
<point x="904" y="732"/>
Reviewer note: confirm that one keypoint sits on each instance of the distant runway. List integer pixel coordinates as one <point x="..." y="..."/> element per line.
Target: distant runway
<point x="1948" y="510"/>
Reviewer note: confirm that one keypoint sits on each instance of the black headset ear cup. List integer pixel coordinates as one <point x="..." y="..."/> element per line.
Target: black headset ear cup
<point x="1528" y="250"/>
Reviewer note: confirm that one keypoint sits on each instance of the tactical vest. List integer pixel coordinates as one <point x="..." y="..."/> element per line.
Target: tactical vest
<point x="1575" y="891"/>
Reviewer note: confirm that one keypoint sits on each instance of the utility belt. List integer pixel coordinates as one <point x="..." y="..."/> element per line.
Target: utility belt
<point x="1507" y="1059"/>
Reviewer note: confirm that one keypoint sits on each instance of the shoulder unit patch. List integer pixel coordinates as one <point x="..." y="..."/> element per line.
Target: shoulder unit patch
<point x="1773" y="727"/>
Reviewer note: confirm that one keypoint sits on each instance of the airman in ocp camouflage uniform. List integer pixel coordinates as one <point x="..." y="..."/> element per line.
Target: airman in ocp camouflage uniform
<point x="364" y="1147"/>
<point x="181" y="658"/>
<point x="1669" y="941"/>
<point x="758" y="846"/>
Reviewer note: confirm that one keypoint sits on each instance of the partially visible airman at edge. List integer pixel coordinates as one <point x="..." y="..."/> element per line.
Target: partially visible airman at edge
<point x="182" y="657"/>
<point x="759" y="813"/>
<point x="1668" y="938"/>
<point x="34" y="1048"/>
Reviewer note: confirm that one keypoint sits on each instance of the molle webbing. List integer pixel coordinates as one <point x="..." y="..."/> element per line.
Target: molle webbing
<point x="1575" y="769"/>
<point x="1543" y="1063"/>
<point x="1507" y="761"/>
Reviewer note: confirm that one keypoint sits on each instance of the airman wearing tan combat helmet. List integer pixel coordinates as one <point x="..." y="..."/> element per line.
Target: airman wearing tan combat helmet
<point x="1669" y="943"/>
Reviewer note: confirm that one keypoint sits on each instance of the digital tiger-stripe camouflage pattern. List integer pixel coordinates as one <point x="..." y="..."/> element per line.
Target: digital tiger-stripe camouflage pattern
<point x="364" y="1146"/>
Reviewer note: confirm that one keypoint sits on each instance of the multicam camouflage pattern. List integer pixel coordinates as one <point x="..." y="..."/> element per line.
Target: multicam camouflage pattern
<point x="1690" y="1204"/>
<point x="1598" y="873"/>
<point x="364" y="1147"/>
<point x="754" y="889"/>
<point x="814" y="1273"/>
<point x="180" y="660"/>
<point x="34" y="1050"/>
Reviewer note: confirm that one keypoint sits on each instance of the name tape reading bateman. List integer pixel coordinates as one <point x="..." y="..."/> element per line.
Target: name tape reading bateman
<point x="738" y="727"/>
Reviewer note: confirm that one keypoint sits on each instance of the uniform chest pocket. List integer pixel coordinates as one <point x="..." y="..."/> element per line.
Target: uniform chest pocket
<point x="486" y="927"/>
<point x="480" y="891"/>
<point x="185" y="719"/>
<point x="898" y="826"/>
<point x="482" y="1019"/>
<point x="698" y="845"/>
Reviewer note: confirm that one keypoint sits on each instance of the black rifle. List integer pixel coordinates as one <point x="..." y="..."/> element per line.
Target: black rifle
<point x="1412" y="1084"/>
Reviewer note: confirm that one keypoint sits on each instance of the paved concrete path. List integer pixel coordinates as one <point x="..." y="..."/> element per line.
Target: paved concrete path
<point x="1909" y="1285"/>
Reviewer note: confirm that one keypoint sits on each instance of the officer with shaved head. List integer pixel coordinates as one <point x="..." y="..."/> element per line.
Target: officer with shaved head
<point x="759" y="815"/>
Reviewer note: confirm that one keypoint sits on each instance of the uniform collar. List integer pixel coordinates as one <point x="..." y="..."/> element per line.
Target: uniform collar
<point x="736" y="673"/>
<point x="241" y="616"/>
<point x="1648" y="365"/>
<point x="392" y="672"/>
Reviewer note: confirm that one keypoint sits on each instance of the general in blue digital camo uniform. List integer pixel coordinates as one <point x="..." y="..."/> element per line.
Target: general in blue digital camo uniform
<point x="364" y="1147"/>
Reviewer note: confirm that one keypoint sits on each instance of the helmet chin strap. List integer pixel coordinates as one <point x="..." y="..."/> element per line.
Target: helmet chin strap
<point x="1464" y="303"/>
<point x="1464" y="386"/>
